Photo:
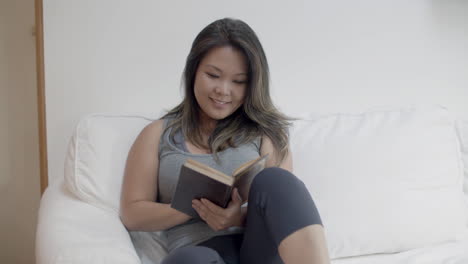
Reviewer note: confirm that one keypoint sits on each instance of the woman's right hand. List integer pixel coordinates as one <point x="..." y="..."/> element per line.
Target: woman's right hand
<point x="219" y="218"/>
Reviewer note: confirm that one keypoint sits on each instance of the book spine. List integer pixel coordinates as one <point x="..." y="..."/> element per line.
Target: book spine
<point x="227" y="196"/>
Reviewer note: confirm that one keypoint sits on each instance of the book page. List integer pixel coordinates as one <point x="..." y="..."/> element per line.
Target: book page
<point x="244" y="178"/>
<point x="246" y="165"/>
<point x="209" y="171"/>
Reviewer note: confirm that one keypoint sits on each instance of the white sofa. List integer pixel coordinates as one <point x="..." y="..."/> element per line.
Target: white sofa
<point x="388" y="182"/>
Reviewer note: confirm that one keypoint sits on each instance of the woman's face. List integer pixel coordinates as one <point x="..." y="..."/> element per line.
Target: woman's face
<point x="220" y="83"/>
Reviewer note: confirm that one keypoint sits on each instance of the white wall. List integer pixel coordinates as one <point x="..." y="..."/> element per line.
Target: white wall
<point x="19" y="150"/>
<point x="325" y="56"/>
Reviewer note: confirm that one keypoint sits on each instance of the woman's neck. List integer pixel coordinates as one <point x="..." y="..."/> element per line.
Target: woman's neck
<point x="206" y="126"/>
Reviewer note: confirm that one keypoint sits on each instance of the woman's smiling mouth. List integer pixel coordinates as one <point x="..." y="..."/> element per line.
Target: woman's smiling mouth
<point x="219" y="102"/>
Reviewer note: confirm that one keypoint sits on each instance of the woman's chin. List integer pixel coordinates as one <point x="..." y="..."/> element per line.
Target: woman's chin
<point x="216" y="115"/>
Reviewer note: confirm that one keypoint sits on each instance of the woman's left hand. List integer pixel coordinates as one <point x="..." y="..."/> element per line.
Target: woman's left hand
<point x="219" y="218"/>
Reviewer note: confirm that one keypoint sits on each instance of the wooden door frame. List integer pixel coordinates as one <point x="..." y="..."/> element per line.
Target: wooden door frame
<point x="41" y="106"/>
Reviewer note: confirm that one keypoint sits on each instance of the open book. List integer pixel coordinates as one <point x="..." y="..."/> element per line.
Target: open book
<point x="197" y="180"/>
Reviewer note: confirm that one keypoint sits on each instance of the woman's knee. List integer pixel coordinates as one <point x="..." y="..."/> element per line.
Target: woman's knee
<point x="193" y="255"/>
<point x="274" y="178"/>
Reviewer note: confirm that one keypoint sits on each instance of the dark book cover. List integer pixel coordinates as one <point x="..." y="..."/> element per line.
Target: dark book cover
<point x="197" y="180"/>
<point x="245" y="177"/>
<point x="195" y="185"/>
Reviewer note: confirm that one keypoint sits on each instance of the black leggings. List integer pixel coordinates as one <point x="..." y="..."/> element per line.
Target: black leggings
<point x="278" y="205"/>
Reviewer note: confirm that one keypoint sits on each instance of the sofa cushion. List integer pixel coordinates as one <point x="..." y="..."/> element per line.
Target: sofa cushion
<point x="383" y="180"/>
<point x="97" y="154"/>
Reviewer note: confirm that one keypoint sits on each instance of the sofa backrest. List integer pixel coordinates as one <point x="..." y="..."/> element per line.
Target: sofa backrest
<point x="383" y="180"/>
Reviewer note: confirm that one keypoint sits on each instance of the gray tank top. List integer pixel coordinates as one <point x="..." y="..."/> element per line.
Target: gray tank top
<point x="172" y="155"/>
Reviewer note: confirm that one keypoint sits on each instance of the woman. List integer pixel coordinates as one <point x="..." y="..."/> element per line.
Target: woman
<point x="225" y="119"/>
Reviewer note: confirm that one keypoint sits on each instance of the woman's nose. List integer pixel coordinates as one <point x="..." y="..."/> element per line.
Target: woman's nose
<point x="223" y="88"/>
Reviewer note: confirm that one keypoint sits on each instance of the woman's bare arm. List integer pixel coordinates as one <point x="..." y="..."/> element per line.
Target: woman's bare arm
<point x="138" y="209"/>
<point x="273" y="158"/>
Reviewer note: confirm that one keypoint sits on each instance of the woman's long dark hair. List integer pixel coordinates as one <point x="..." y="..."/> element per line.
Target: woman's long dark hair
<point x="256" y="117"/>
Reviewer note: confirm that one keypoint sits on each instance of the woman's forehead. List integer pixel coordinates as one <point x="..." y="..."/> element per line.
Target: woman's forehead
<point x="225" y="59"/>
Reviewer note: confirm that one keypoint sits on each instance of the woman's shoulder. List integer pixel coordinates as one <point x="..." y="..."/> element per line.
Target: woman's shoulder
<point x="153" y="130"/>
<point x="156" y="124"/>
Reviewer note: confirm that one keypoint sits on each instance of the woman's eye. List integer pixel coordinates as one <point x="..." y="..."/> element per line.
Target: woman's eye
<point x="212" y="75"/>
<point x="240" y="82"/>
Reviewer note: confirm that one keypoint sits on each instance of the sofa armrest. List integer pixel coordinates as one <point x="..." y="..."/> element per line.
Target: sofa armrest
<point x="72" y="231"/>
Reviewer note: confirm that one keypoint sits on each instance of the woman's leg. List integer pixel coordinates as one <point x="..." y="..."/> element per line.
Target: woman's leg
<point x="193" y="255"/>
<point x="227" y="247"/>
<point x="306" y="245"/>
<point x="283" y="224"/>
